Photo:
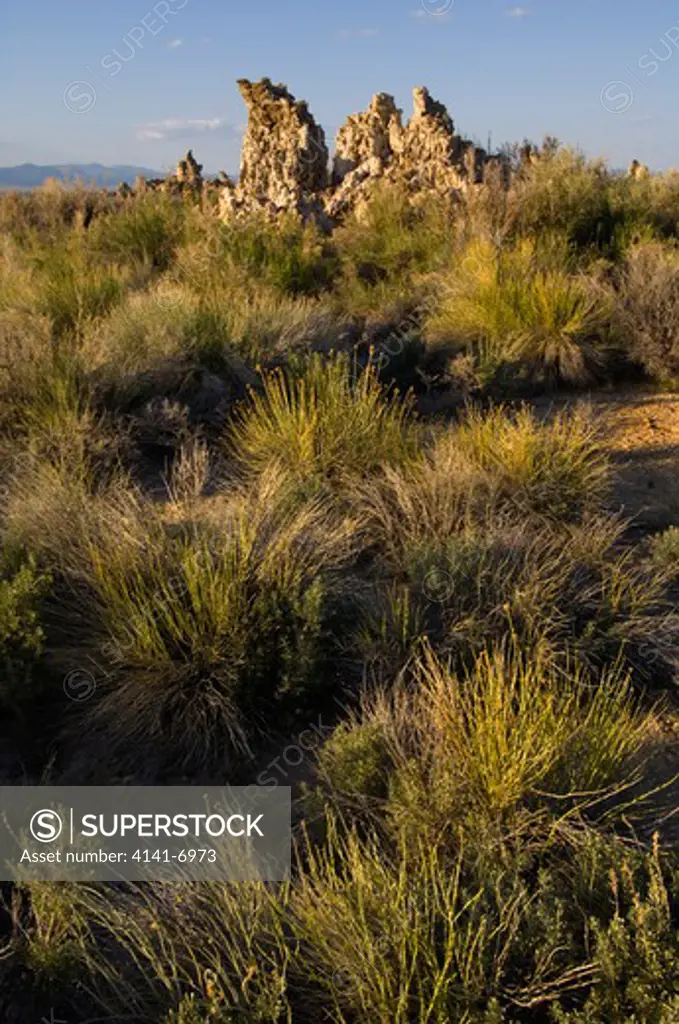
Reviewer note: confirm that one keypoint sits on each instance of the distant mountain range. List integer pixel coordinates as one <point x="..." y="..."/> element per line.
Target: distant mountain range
<point x="32" y="175"/>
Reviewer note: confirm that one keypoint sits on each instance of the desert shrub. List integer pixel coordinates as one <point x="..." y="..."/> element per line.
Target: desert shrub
<point x="414" y="937"/>
<point x="510" y="310"/>
<point x="186" y="953"/>
<point x="27" y="359"/>
<point x="665" y="550"/>
<point x="264" y="322"/>
<point x="288" y="256"/>
<point x="270" y="328"/>
<point x="49" y="933"/>
<point x="385" y="247"/>
<point x="493" y="464"/>
<point x="161" y="344"/>
<point x="569" y="588"/>
<point x="563" y="190"/>
<point x="205" y="629"/>
<point x="663" y="201"/>
<point x="636" y="948"/>
<point x="65" y="489"/>
<point x="583" y="931"/>
<point x="645" y="209"/>
<point x="146" y="230"/>
<point x="355" y="760"/>
<point x="323" y="419"/>
<point x="419" y="507"/>
<point x="50" y="210"/>
<point x="23" y="588"/>
<point x="512" y="737"/>
<point x="71" y="289"/>
<point x="555" y="468"/>
<point x="647" y="309"/>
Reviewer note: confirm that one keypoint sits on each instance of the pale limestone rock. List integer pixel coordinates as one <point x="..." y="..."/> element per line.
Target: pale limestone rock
<point x="284" y="162"/>
<point x="189" y="173"/>
<point x="638" y="170"/>
<point x="367" y="137"/>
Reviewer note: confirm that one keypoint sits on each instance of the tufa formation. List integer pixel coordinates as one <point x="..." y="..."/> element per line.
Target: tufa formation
<point x="285" y="162"/>
<point x="285" y="159"/>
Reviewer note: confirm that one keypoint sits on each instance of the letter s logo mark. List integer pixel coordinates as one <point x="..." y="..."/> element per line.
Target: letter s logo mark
<point x="46" y="826"/>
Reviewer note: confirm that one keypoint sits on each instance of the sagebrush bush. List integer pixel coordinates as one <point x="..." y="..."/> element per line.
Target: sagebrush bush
<point x="569" y="588"/>
<point x="386" y="248"/>
<point x="51" y="210"/>
<point x="665" y="550"/>
<point x="563" y="190"/>
<point x="27" y="360"/>
<point x="73" y="290"/>
<point x="647" y="309"/>
<point x="290" y="257"/>
<point x="162" y="343"/>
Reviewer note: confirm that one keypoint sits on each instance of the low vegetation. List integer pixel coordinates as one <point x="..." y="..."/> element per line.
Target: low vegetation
<point x="253" y="474"/>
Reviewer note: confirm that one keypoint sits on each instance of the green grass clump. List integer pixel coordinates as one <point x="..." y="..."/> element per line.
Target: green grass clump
<point x="511" y="738"/>
<point x="327" y="421"/>
<point x="509" y="309"/>
<point x="555" y="468"/>
<point x="145" y="232"/>
<point x="204" y="629"/>
<point x="490" y="466"/>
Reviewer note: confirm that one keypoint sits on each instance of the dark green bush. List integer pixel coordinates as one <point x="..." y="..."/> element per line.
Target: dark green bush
<point x="22" y="590"/>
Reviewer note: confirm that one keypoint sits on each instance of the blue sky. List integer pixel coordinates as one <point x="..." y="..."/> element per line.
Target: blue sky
<point x="140" y="82"/>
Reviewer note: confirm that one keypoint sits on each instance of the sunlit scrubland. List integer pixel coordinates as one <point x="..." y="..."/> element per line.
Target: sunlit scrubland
<point x="250" y="474"/>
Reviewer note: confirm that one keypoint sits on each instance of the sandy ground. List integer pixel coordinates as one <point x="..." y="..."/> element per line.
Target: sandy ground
<point x="640" y="431"/>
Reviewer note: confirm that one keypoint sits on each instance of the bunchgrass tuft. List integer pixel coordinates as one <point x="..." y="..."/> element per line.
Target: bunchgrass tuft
<point x="328" y="420"/>
<point x="510" y="308"/>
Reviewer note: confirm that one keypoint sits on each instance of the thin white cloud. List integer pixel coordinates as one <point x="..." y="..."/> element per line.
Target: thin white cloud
<point x="175" y="44"/>
<point x="357" y="33"/>
<point x="181" y="128"/>
<point x="518" y="12"/>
